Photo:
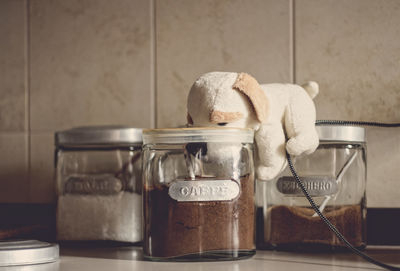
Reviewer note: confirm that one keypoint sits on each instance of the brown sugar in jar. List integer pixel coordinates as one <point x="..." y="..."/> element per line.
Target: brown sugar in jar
<point x="198" y="194"/>
<point x="335" y="177"/>
<point x="306" y="229"/>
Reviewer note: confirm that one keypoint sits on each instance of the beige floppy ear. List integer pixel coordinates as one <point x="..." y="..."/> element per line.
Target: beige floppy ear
<point x="249" y="86"/>
<point x="189" y="119"/>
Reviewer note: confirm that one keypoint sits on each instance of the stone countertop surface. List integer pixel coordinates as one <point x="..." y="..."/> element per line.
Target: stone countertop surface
<point x="130" y="258"/>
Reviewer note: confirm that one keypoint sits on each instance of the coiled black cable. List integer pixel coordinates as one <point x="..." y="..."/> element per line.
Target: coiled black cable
<point x="315" y="207"/>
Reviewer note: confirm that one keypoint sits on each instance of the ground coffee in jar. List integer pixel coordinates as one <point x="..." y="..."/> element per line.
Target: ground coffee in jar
<point x="198" y="194"/>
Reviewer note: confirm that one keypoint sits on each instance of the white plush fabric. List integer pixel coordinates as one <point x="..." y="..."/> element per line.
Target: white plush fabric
<point x="291" y="112"/>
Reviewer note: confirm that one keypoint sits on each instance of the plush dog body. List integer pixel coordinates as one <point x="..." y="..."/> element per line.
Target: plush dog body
<point x="274" y="111"/>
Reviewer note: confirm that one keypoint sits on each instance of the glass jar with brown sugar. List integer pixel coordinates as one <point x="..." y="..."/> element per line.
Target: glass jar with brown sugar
<point x="198" y="194"/>
<point x="335" y="176"/>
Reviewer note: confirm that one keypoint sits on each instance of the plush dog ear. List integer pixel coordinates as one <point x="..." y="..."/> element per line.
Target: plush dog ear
<point x="189" y="119"/>
<point x="249" y="86"/>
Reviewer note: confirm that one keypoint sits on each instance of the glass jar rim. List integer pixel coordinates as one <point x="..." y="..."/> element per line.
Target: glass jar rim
<point x="198" y="134"/>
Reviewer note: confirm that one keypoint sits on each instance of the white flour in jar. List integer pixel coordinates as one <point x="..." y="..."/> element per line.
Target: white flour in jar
<point x="100" y="217"/>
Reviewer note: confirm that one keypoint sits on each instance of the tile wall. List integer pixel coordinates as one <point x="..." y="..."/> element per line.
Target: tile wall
<point x="132" y="62"/>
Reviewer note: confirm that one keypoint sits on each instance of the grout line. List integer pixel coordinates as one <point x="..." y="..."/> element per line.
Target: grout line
<point x="292" y="39"/>
<point x="28" y="93"/>
<point x="153" y="64"/>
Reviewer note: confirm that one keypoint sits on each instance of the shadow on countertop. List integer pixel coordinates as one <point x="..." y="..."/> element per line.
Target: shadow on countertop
<point x="102" y="249"/>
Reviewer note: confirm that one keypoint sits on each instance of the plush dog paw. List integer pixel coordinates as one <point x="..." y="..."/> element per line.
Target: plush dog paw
<point x="302" y="144"/>
<point x="268" y="173"/>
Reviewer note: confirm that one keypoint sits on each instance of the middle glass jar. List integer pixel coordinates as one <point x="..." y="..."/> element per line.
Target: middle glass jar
<point x="198" y="194"/>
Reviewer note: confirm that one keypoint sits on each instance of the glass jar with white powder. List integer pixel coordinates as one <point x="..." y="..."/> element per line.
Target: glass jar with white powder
<point x="98" y="180"/>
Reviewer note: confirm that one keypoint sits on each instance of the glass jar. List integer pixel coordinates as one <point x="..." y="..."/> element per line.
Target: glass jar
<point x="198" y="194"/>
<point x="98" y="175"/>
<point x="335" y="176"/>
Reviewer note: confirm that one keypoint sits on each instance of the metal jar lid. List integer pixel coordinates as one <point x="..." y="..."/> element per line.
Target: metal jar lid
<point x="98" y="135"/>
<point x="25" y="252"/>
<point x="340" y="133"/>
<point x="204" y="134"/>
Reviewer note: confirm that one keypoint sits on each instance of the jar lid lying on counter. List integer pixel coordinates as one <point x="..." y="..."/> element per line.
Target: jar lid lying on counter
<point x="341" y="133"/>
<point x="205" y="134"/>
<point x="98" y="135"/>
<point x="26" y="252"/>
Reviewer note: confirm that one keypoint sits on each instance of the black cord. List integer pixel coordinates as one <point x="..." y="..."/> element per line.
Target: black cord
<point x="356" y="123"/>
<point x="315" y="207"/>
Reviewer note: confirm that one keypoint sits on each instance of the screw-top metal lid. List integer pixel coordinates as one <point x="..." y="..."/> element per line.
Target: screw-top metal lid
<point x="98" y="135"/>
<point x="24" y="252"/>
<point x="203" y="134"/>
<point x="339" y="133"/>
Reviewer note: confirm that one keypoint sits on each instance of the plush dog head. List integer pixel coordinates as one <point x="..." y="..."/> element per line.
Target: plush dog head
<point x="227" y="99"/>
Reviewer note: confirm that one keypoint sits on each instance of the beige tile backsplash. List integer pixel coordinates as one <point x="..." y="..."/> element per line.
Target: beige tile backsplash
<point x="89" y="63"/>
<point x="352" y="48"/>
<point x="132" y="62"/>
<point x="13" y="62"/>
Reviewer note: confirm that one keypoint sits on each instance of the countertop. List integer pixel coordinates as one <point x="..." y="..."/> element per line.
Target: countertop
<point x="130" y="258"/>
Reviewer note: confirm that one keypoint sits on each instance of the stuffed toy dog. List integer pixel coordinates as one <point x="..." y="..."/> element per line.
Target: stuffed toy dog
<point x="282" y="115"/>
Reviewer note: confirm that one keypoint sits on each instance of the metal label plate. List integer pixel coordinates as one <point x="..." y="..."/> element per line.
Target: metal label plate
<point x="204" y="190"/>
<point x="95" y="184"/>
<point x="315" y="185"/>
